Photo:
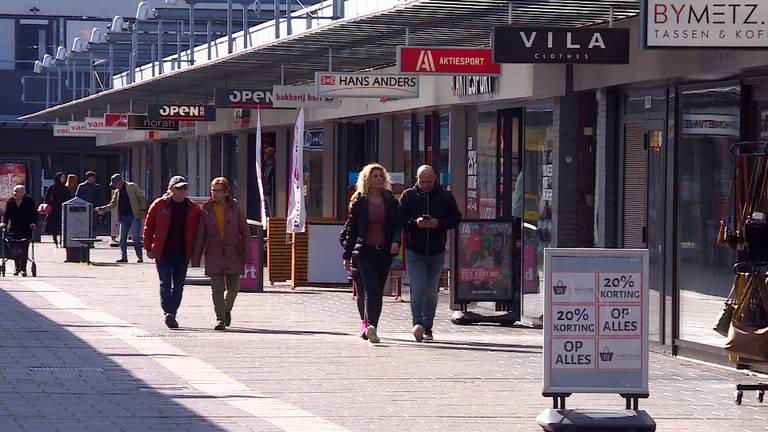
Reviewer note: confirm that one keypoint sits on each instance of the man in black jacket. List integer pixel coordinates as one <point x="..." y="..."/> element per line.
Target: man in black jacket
<point x="427" y="212"/>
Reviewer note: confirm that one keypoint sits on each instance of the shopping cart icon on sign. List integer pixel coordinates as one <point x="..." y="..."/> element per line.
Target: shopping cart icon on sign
<point x="559" y="288"/>
<point x="606" y="355"/>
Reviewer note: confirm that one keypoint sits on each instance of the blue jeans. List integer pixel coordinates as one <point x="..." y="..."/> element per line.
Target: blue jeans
<point x="424" y="273"/>
<point x="128" y="223"/>
<point x="172" y="270"/>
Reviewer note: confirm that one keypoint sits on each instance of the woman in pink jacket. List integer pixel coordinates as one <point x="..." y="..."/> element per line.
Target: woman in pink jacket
<point x="226" y="240"/>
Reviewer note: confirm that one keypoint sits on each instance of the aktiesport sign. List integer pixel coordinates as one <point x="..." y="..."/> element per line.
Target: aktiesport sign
<point x="337" y="84"/>
<point x="705" y="24"/>
<point x="182" y="112"/>
<point x="242" y="98"/>
<point x="446" y="61"/>
<point x="560" y="45"/>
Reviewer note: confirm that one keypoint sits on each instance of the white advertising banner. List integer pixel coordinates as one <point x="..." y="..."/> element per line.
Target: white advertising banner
<point x="297" y="212"/>
<point x="300" y="97"/>
<point x="711" y="124"/>
<point x="69" y="130"/>
<point x="338" y="84"/>
<point x="705" y="24"/>
<point x="596" y="321"/>
<point x="259" y="180"/>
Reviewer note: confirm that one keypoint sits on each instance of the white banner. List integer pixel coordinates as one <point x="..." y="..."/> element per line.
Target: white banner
<point x="258" y="171"/>
<point x="300" y="97"/>
<point x="339" y="84"/>
<point x="297" y="212"/>
<point x="66" y="130"/>
<point x="705" y="24"/>
<point x="711" y="124"/>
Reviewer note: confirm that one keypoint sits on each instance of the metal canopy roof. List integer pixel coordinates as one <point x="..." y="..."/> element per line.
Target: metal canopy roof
<point x="364" y="43"/>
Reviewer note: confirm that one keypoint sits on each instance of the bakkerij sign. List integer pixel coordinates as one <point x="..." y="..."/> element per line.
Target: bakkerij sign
<point x="446" y="61"/>
<point x="340" y="84"/>
<point x="242" y="98"/>
<point x="560" y="45"/>
<point x="596" y="321"/>
<point x="704" y="24"/>
<point x="181" y="112"/>
<point x="141" y="122"/>
<point x="300" y="97"/>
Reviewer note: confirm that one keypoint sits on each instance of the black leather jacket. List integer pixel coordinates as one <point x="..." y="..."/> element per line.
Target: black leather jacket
<point x="352" y="237"/>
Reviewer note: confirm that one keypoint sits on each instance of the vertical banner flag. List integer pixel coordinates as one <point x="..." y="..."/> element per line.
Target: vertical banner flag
<point x="258" y="170"/>
<point x="297" y="213"/>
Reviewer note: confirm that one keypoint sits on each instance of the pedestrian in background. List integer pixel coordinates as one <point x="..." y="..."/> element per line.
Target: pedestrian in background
<point x="169" y="237"/>
<point x="224" y="237"/>
<point x="372" y="239"/>
<point x="20" y="219"/>
<point x="56" y="195"/>
<point x="132" y="206"/>
<point x="427" y="212"/>
<point x="89" y="190"/>
<point x="71" y="184"/>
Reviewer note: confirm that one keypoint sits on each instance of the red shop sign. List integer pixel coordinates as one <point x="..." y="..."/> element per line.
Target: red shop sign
<point x="446" y="61"/>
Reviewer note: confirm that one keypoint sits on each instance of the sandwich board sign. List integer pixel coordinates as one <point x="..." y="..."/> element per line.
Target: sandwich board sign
<point x="596" y="321"/>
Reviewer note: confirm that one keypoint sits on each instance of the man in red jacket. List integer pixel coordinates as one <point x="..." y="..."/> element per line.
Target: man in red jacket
<point x="169" y="238"/>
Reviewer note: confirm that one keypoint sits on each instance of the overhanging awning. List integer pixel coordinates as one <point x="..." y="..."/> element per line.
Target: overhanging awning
<point x="364" y="43"/>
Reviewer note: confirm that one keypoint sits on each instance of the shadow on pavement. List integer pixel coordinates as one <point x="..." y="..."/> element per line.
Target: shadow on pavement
<point x="52" y="377"/>
<point x="261" y="331"/>
<point x="473" y="346"/>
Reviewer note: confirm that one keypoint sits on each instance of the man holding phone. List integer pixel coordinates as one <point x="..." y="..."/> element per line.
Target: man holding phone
<point x="427" y="212"/>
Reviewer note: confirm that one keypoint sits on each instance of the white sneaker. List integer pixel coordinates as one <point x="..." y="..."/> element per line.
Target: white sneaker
<point x="428" y="336"/>
<point x="418" y="332"/>
<point x="371" y="333"/>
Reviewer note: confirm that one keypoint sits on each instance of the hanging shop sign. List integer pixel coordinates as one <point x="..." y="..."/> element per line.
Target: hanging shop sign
<point x="446" y="61"/>
<point x="98" y="125"/>
<point x="314" y="139"/>
<point x="141" y="122"/>
<point x="242" y="98"/>
<point x="468" y="85"/>
<point x="338" y="84"/>
<point x="596" y="321"/>
<point x="300" y="97"/>
<point x="704" y="24"/>
<point x="560" y="45"/>
<point x="67" y="130"/>
<point x="711" y="124"/>
<point x="116" y="121"/>
<point x="182" y="112"/>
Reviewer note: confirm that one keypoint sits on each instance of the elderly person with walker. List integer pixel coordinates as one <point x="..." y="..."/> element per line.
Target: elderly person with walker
<point x="20" y="220"/>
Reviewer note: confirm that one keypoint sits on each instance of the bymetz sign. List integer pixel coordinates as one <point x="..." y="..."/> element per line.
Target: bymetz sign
<point x="446" y="61"/>
<point x="182" y="112"/>
<point x="242" y="98"/>
<point x="560" y="45"/>
<point x="705" y="24"/>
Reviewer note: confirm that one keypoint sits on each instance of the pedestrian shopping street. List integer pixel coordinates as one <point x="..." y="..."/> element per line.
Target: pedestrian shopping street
<point x="84" y="348"/>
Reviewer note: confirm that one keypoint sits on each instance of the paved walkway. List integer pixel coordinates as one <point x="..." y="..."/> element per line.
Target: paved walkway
<point x="84" y="348"/>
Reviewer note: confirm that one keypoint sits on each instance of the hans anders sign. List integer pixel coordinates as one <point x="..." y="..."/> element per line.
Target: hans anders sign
<point x="446" y="61"/>
<point x="560" y="45"/>
<point x="242" y="98"/>
<point x="333" y="84"/>
<point x="141" y="122"/>
<point x="705" y="24"/>
<point x="182" y="112"/>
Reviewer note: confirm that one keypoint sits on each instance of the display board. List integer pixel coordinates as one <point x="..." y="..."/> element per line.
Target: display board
<point x="484" y="262"/>
<point x="325" y="264"/>
<point x="595" y="321"/>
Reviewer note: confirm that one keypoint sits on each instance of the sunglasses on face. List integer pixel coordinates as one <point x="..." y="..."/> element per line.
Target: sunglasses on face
<point x="185" y="187"/>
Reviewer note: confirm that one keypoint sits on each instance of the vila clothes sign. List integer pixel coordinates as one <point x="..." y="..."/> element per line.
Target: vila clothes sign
<point x="711" y="124"/>
<point x="182" y="112"/>
<point x="333" y="84"/>
<point x="560" y="45"/>
<point x="596" y="321"/>
<point x="300" y="97"/>
<point x="446" y="61"/>
<point x="141" y="122"/>
<point x="242" y="98"/>
<point x="704" y="24"/>
<point x="297" y="211"/>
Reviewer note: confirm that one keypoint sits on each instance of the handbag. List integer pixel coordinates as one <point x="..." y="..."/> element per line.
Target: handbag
<point x="744" y="340"/>
<point x="723" y="321"/>
<point x="45" y="209"/>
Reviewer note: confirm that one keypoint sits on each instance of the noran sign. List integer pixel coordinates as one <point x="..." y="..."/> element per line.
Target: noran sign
<point x="560" y="45"/>
<point x="596" y="321"/>
<point x="332" y="84"/>
<point x="705" y="24"/>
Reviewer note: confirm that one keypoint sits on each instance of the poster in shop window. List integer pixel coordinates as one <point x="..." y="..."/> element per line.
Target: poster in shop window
<point x="484" y="261"/>
<point x="11" y="174"/>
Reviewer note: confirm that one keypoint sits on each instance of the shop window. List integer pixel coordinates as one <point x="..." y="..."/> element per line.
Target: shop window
<point x="444" y="161"/>
<point x="710" y="124"/>
<point x="31" y="43"/>
<point x="7" y="44"/>
<point x="313" y="171"/>
<point x="486" y="165"/>
<point x="536" y="180"/>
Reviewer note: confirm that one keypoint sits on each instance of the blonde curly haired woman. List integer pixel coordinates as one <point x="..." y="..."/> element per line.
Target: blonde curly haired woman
<point x="372" y="238"/>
